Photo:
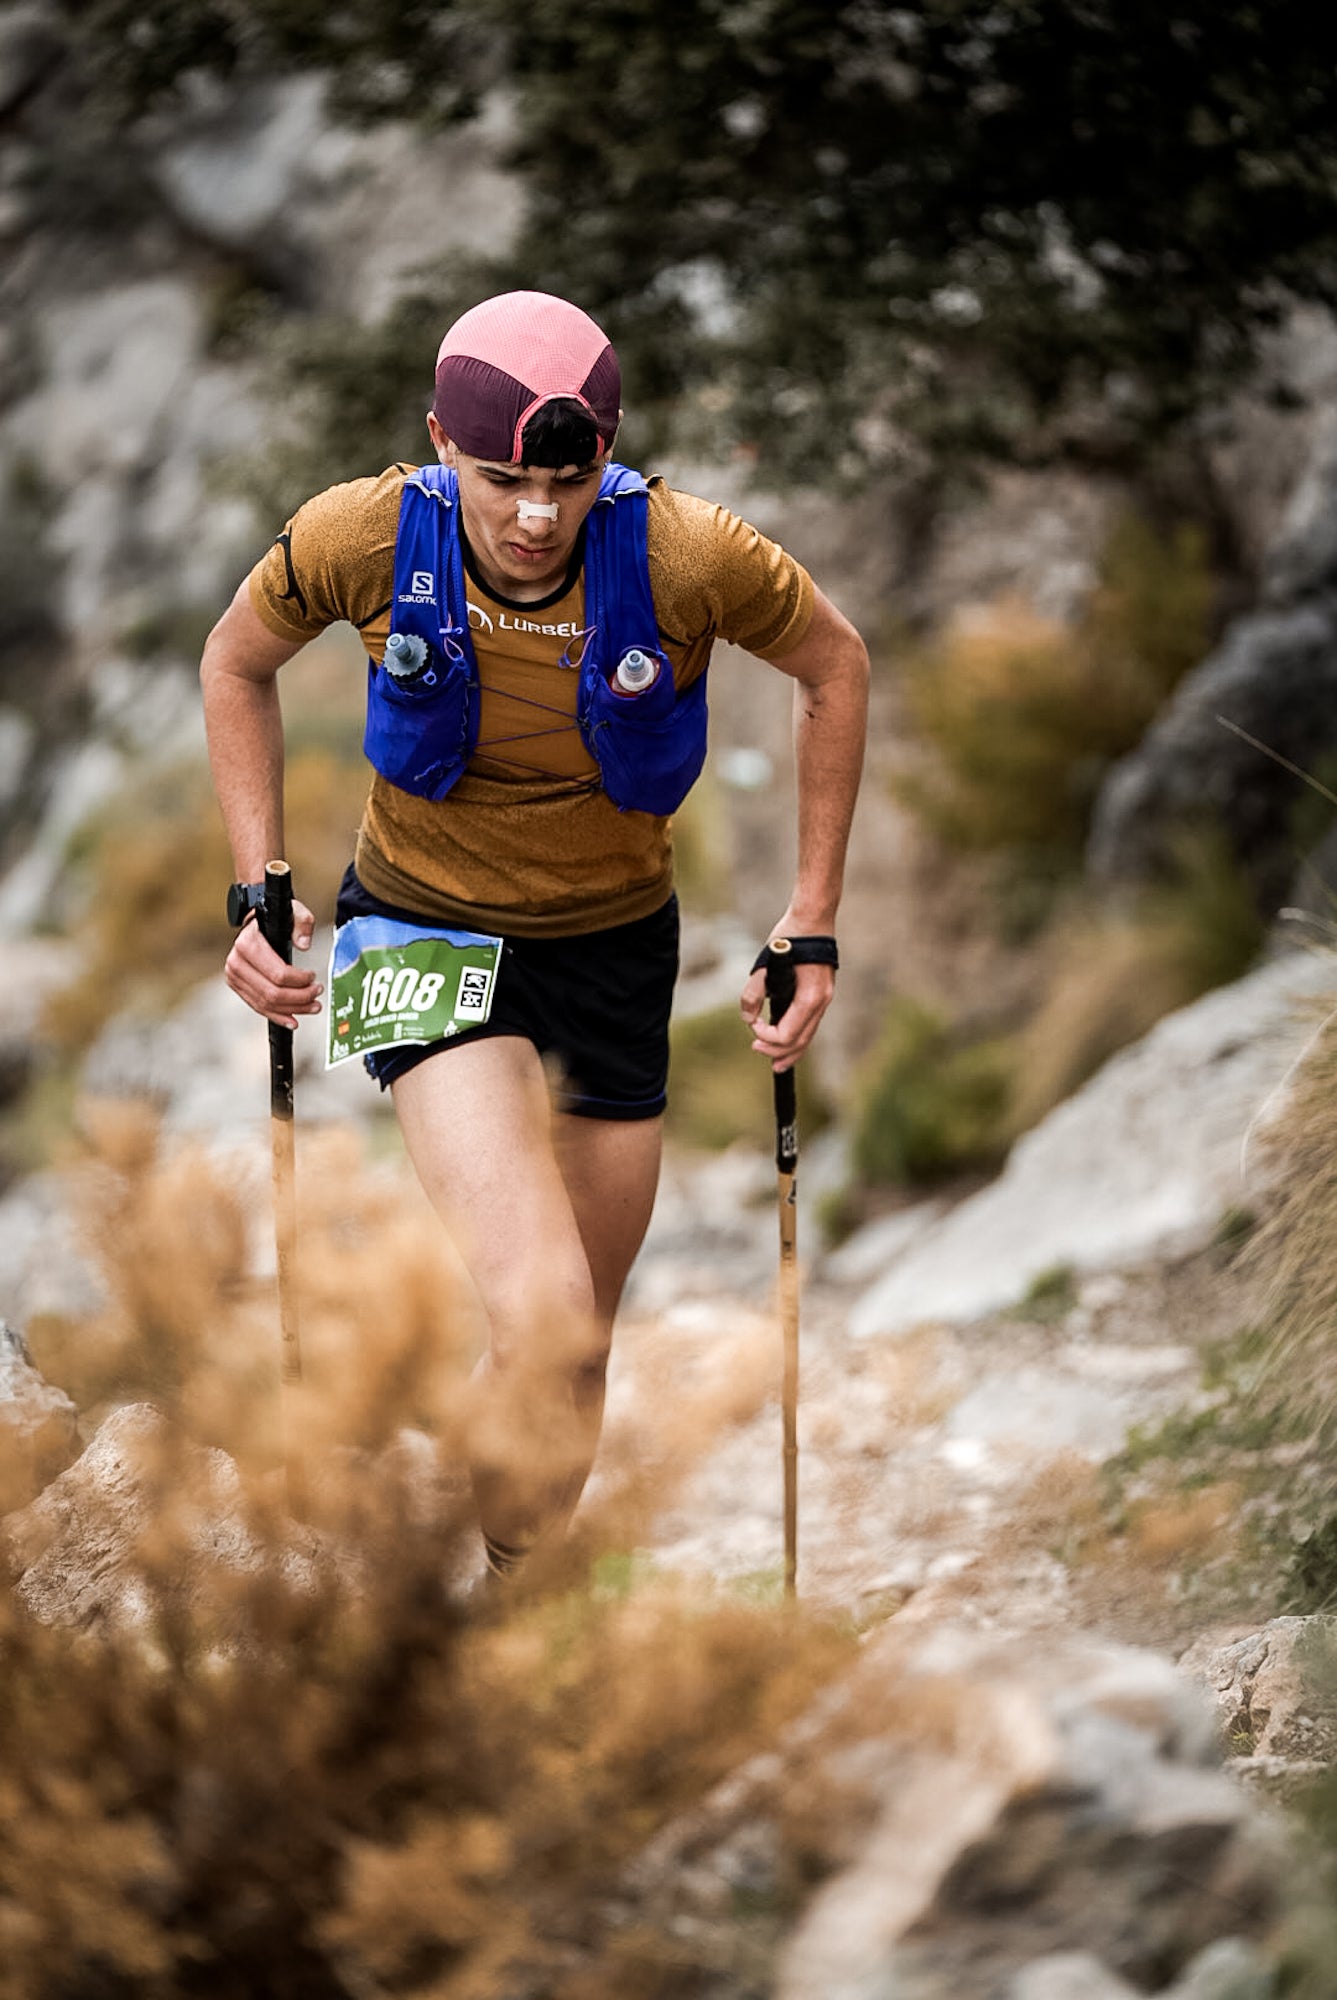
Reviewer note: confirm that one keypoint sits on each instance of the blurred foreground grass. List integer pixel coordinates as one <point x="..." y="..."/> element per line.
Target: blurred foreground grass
<point x="279" y="1758"/>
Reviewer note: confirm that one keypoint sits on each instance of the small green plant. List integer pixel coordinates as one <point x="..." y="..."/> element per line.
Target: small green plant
<point x="1049" y="1298"/>
<point x="927" y="1105"/>
<point x="720" y="1092"/>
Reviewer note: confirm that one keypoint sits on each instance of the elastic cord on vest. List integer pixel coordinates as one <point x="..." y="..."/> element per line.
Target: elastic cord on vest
<point x="803" y="951"/>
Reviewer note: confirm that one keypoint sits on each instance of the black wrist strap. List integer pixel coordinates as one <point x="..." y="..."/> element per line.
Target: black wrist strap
<point x="803" y="951"/>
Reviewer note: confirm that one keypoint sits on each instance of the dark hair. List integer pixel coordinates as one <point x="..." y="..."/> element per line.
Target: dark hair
<point x="561" y="432"/>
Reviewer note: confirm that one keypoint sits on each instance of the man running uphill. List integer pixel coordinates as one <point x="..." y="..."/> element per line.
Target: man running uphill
<point x="537" y="720"/>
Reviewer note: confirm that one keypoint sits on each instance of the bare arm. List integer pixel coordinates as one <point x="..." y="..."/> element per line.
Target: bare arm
<point x="829" y="667"/>
<point x="238" y="674"/>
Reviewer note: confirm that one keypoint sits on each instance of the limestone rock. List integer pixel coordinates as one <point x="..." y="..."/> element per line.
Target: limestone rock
<point x="1068" y="1975"/>
<point x="43" y="1268"/>
<point x="75" y="1549"/>
<point x="27" y="44"/>
<point x="984" y="1818"/>
<point x="1230" y="1969"/>
<point x="38" y="1424"/>
<point x="248" y="157"/>
<point x="1141" y="1162"/>
<point x="1275" y="675"/>
<point x="1276" y="1689"/>
<point x="1303" y="558"/>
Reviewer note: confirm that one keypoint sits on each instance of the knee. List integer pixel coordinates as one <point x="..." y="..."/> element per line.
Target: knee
<point x="570" y="1353"/>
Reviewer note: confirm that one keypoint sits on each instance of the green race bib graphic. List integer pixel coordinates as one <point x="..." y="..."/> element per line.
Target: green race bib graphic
<point x="392" y="982"/>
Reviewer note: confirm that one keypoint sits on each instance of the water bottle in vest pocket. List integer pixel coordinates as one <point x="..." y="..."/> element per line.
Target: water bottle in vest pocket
<point x="418" y="715"/>
<point x="650" y="745"/>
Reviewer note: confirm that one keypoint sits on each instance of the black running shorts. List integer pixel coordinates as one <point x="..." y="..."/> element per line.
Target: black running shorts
<point x="599" y="1003"/>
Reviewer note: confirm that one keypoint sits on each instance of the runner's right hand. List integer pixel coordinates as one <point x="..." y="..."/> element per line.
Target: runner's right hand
<point x="257" y="974"/>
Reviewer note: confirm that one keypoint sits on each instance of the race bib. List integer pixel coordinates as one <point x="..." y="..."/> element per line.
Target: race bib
<point x="393" y="982"/>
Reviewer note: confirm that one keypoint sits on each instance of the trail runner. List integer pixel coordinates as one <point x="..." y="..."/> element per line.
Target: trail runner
<point x="518" y="798"/>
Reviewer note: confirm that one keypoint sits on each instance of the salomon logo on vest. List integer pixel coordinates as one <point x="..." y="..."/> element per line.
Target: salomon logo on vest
<point x="421" y="590"/>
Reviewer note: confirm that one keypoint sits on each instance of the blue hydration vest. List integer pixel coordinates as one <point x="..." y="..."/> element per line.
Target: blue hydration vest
<point x="649" y="747"/>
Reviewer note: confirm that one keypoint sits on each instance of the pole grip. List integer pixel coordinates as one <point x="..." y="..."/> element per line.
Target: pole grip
<point x="274" y="917"/>
<point x="781" y="981"/>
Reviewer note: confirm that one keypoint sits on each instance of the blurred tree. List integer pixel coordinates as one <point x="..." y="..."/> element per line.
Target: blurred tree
<point x="949" y="227"/>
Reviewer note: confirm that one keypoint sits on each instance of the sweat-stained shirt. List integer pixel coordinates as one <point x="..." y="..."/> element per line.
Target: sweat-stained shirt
<point x="526" y="843"/>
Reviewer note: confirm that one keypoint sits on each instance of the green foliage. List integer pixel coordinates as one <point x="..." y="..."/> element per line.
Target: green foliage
<point x="1050" y="1296"/>
<point x="953" y="228"/>
<point x="927" y="1105"/>
<point x="1235" y="1415"/>
<point x="719" y="1092"/>
<point x="961" y="218"/>
<point x="1023" y="715"/>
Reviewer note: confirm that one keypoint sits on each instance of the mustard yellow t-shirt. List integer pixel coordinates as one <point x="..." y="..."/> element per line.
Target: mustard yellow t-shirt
<point x="527" y="843"/>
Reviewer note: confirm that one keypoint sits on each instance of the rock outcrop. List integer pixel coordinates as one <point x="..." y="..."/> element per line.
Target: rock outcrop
<point x="1142" y="1162"/>
<point x="1276" y="1696"/>
<point x="38" y="1424"/>
<point x="75" y="1550"/>
<point x="984" y="1818"/>
<point x="1273" y="675"/>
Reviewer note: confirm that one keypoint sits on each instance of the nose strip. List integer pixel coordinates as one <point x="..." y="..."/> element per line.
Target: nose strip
<point x="534" y="510"/>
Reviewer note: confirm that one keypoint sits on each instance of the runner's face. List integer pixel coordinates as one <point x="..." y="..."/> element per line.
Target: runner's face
<point x="523" y="558"/>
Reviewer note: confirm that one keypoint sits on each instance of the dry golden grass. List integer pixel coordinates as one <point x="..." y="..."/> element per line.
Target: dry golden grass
<point x="1184" y="1527"/>
<point x="1295" y="1250"/>
<point x="303" y="1768"/>
<point x="1114" y="974"/>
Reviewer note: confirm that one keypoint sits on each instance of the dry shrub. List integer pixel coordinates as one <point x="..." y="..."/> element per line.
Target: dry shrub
<point x="1186" y="1526"/>
<point x="182" y="1241"/>
<point x="156" y="863"/>
<point x="1023" y="714"/>
<point x="284" y="1758"/>
<point x="1113" y="975"/>
<point x="1061" y="1509"/>
<point x="1295" y="1249"/>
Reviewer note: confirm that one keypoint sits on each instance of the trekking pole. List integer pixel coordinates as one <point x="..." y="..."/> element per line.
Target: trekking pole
<point x="275" y="920"/>
<point x="780" y="983"/>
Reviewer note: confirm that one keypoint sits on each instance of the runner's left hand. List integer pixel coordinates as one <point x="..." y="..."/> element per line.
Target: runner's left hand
<point x="814" y="989"/>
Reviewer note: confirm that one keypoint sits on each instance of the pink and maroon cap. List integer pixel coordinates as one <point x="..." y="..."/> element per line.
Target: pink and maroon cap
<point x="507" y="357"/>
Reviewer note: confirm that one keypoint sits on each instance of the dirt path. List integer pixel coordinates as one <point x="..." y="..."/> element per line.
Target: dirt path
<point x="952" y="1467"/>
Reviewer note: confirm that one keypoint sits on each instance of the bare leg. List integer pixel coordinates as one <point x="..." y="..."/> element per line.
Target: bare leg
<point x="611" y="1171"/>
<point x="548" y="1223"/>
<point x="478" y="1129"/>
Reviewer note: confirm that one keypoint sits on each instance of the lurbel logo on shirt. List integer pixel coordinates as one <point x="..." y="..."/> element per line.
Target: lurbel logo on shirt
<point x="508" y="621"/>
<point x="422" y="589"/>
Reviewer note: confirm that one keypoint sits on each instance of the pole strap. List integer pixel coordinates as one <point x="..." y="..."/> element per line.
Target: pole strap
<point x="801" y="951"/>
